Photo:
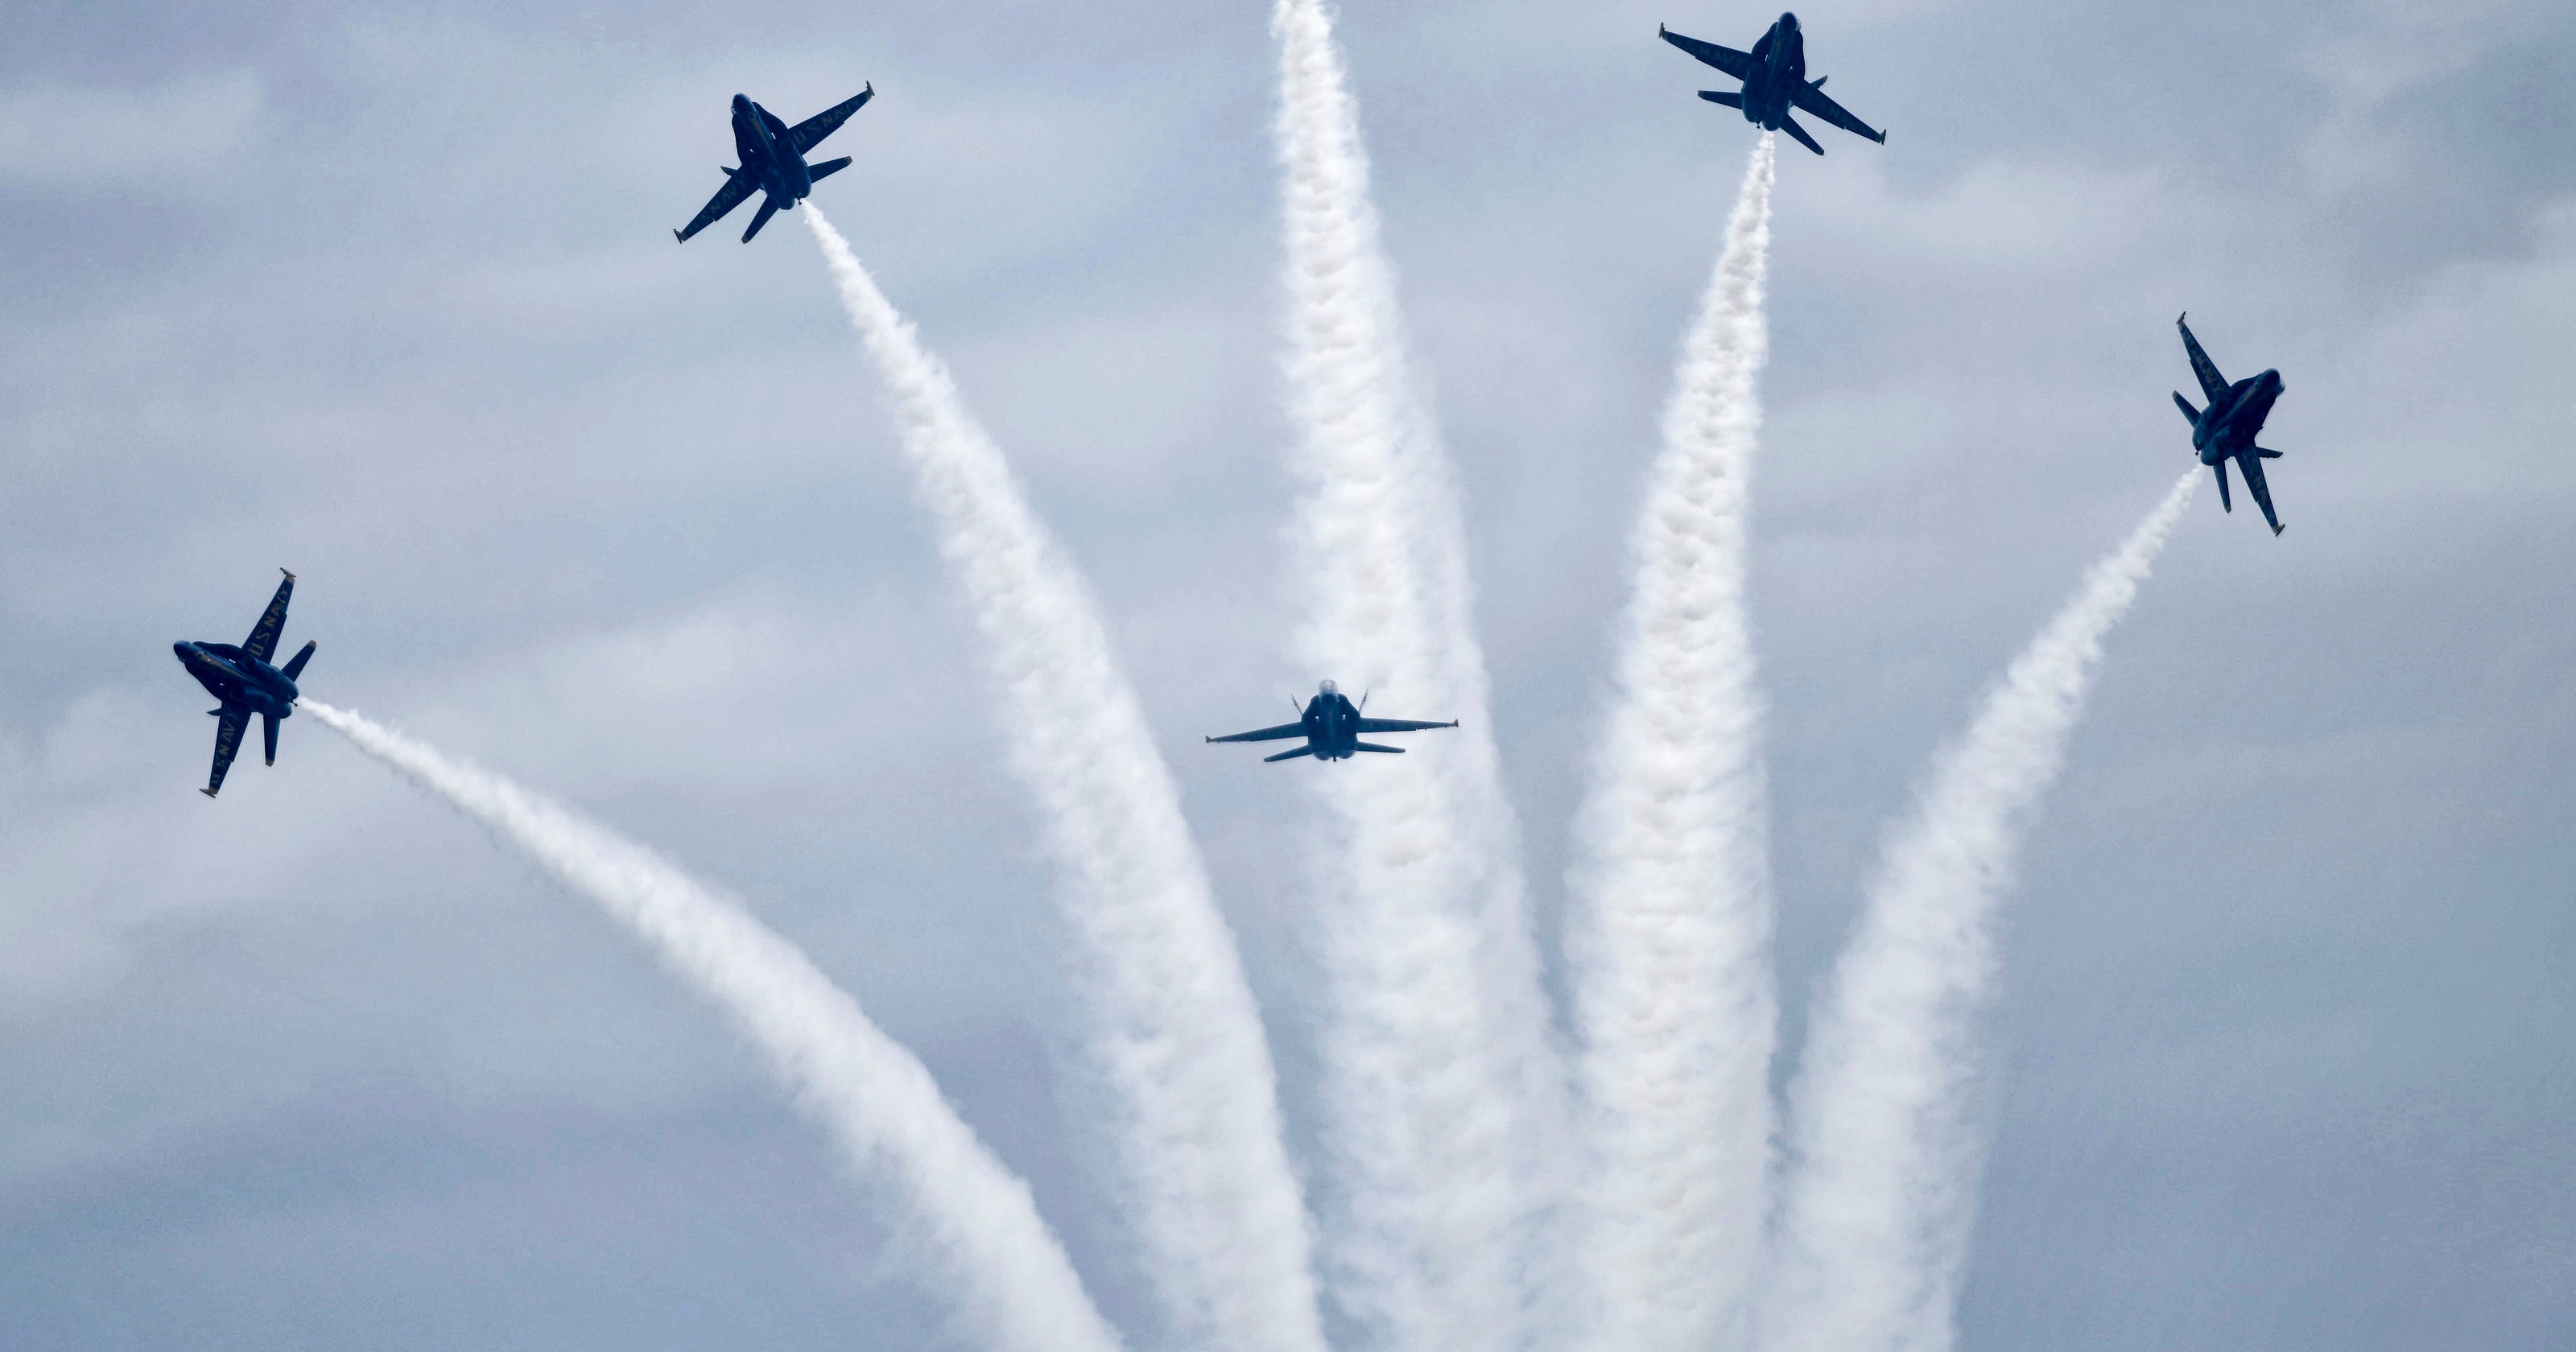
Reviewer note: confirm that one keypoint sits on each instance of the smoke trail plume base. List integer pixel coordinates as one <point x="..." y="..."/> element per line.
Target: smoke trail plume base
<point x="1873" y="1231"/>
<point x="982" y="1234"/>
<point x="1172" y="1025"/>
<point x="1669" y="931"/>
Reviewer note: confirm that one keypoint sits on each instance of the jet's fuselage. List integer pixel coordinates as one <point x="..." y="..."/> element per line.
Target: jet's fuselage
<point x="779" y="171"/>
<point x="235" y="677"/>
<point x="2227" y="428"/>
<point x="1779" y="68"/>
<point x="1332" y="724"/>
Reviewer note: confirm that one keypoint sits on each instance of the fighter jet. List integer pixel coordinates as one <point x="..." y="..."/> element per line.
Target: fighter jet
<point x="773" y="161"/>
<point x="243" y="683"/>
<point x="2226" y="429"/>
<point x="1332" y="726"/>
<point x="1775" y="80"/>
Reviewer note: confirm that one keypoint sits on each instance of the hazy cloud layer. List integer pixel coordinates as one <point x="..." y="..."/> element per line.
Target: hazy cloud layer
<point x="2280" y="1052"/>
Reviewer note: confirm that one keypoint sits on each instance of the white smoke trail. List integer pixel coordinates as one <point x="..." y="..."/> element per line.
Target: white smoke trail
<point x="1669" y="937"/>
<point x="1439" y="1082"/>
<point x="1874" y="1226"/>
<point x="983" y="1234"/>
<point x="1172" y="1018"/>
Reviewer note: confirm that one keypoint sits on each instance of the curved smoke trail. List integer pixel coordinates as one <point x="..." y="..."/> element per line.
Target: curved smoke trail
<point x="1437" y="1074"/>
<point x="1016" y="1287"/>
<point x="1172" y="1017"/>
<point x="1669" y="937"/>
<point x="1874" y="1227"/>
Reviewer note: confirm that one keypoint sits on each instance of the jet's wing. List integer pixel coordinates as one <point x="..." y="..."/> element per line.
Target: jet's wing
<point x="806" y="135"/>
<point x="263" y="637"/>
<point x="2251" y="466"/>
<point x="737" y="187"/>
<point x="1266" y="734"/>
<point x="2212" y="384"/>
<point x="1733" y="62"/>
<point x="233" y="719"/>
<point x="1398" y="725"/>
<point x="1812" y="99"/>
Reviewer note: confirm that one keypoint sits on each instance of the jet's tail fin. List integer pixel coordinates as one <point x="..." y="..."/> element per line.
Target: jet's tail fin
<point x="817" y="172"/>
<point x="1717" y="96"/>
<point x="2267" y="453"/>
<point x="1790" y="125"/>
<point x="295" y="667"/>
<point x="2188" y="412"/>
<point x="2220" y="469"/>
<point x="268" y="733"/>
<point x="768" y="208"/>
<point x="1385" y="750"/>
<point x="1306" y="750"/>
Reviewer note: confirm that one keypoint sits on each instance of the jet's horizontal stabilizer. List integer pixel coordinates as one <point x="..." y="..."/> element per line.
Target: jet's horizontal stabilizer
<point x="295" y="668"/>
<point x="2220" y="469"/>
<point x="1386" y="750"/>
<point x="2267" y="454"/>
<point x="1715" y="96"/>
<point x="1790" y="125"/>
<point x="827" y="167"/>
<point x="768" y="208"/>
<point x="2187" y="410"/>
<point x="1290" y="755"/>
<point x="268" y="733"/>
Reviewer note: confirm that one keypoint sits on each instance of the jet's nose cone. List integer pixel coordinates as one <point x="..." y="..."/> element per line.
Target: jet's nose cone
<point x="180" y="649"/>
<point x="741" y="101"/>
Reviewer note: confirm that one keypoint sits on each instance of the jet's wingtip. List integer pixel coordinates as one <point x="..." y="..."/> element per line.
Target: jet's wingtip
<point x="2178" y="319"/>
<point x="208" y="792"/>
<point x="677" y="237"/>
<point x="270" y="761"/>
<point x="289" y="576"/>
<point x="2277" y="528"/>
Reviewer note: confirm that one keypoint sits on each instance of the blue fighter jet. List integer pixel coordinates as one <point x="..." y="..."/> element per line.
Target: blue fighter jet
<point x="2226" y="429"/>
<point x="1775" y="81"/>
<point x="1332" y="726"/>
<point x="773" y="161"/>
<point x="243" y="683"/>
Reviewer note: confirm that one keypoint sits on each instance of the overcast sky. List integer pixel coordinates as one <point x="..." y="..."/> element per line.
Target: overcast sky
<point x="386" y="294"/>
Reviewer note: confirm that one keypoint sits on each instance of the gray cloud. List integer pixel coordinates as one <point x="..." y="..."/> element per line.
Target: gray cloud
<point x="2283" y="1027"/>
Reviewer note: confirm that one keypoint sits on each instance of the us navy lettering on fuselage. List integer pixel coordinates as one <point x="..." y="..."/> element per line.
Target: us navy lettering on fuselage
<point x="772" y="156"/>
<point x="243" y="683"/>
<point x="1332" y="726"/>
<point x="1775" y="82"/>
<point x="2226" y="429"/>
